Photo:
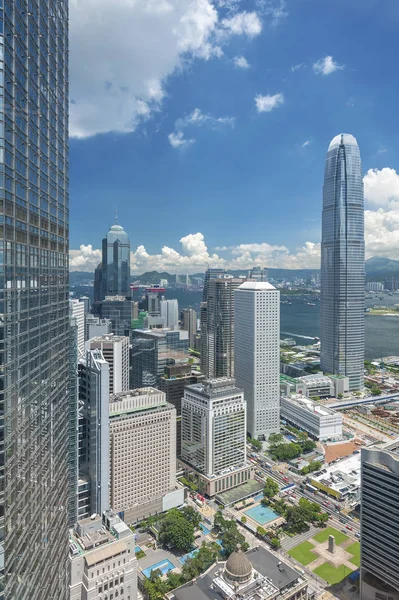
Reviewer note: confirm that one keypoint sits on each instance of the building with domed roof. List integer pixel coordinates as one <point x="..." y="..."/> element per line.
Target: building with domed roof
<point x="115" y="269"/>
<point x="254" y="575"/>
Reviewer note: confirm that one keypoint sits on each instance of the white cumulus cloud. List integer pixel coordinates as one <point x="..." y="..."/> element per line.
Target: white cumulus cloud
<point x="326" y="66"/>
<point x="381" y="187"/>
<point x="244" y="23"/>
<point x="131" y="47"/>
<point x="268" y="103"/>
<point x="84" y="259"/>
<point x="241" y="62"/>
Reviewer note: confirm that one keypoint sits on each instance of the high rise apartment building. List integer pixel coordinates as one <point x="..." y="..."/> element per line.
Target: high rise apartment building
<point x="214" y="433"/>
<point x="115" y="266"/>
<point x="142" y="432"/>
<point x="169" y="310"/>
<point x="93" y="437"/>
<point x="342" y="263"/>
<point x="102" y="562"/>
<point x="34" y="299"/>
<point x="379" y="524"/>
<point x="77" y="311"/>
<point x="189" y="323"/>
<point x="217" y="325"/>
<point x="257" y="354"/>
<point x="115" y="349"/>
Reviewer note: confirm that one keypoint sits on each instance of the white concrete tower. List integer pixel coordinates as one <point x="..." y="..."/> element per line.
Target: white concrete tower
<point x="257" y="354"/>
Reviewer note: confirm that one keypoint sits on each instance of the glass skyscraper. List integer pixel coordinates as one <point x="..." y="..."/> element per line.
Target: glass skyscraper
<point x="34" y="299"/>
<point x="342" y="263"/>
<point x="115" y="268"/>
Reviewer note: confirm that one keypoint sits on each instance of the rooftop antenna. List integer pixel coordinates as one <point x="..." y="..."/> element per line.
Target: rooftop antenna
<point x="116" y="215"/>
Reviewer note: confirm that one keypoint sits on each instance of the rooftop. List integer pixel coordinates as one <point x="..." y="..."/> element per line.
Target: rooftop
<point x="259" y="286"/>
<point x="279" y="577"/>
<point x="215" y="388"/>
<point x="310" y="405"/>
<point x="342" y="138"/>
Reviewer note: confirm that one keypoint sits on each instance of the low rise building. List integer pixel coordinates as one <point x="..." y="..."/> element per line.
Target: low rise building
<point x="255" y="575"/>
<point x="102" y="562"/>
<point x="340" y="480"/>
<point x="320" y="422"/>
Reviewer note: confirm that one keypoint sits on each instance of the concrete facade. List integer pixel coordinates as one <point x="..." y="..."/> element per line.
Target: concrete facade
<point x="257" y="354"/>
<point x="142" y="454"/>
<point x="102" y="561"/>
<point x="319" y="421"/>
<point x="115" y="350"/>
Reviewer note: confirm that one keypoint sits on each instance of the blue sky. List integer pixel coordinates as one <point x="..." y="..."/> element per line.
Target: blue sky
<point x="207" y="123"/>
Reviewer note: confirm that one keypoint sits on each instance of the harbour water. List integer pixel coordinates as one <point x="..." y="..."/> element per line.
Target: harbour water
<point x="301" y="322"/>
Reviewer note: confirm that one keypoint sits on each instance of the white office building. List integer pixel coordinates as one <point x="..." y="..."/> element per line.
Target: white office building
<point x="95" y="326"/>
<point x="170" y="313"/>
<point x="213" y="441"/>
<point x="77" y="311"/>
<point x="257" y="354"/>
<point x="318" y="421"/>
<point x="115" y="349"/>
<point x="102" y="562"/>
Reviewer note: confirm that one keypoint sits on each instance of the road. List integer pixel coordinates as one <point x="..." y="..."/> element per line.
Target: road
<point x="337" y="519"/>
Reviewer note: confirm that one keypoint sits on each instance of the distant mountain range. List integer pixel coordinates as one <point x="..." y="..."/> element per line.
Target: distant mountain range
<point x="377" y="269"/>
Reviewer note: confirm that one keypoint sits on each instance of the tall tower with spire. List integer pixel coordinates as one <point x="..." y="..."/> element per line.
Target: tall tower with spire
<point x="342" y="263"/>
<point x="115" y="261"/>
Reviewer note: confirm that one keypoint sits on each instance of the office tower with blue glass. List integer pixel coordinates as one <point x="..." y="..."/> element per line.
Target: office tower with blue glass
<point x="342" y="263"/>
<point x="115" y="266"/>
<point x="34" y="351"/>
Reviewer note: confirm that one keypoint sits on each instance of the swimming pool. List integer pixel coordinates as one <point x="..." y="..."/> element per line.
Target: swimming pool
<point x="137" y="549"/>
<point x="261" y="514"/>
<point x="183" y="559"/>
<point x="163" y="565"/>
<point x="258" y="497"/>
<point x="204" y="529"/>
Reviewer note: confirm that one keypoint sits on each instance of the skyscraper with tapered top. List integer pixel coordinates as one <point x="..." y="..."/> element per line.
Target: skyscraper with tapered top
<point x="34" y="285"/>
<point x="115" y="266"/>
<point x="342" y="262"/>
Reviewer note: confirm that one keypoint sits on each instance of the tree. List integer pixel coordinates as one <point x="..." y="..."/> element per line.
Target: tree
<point x="308" y="446"/>
<point x="271" y="488"/>
<point x="261" y="531"/>
<point x="256" y="444"/>
<point x="276" y="438"/>
<point x="231" y="538"/>
<point x="340" y="396"/>
<point x="176" y="531"/>
<point x="302" y="437"/>
<point x="243" y="519"/>
<point x="275" y="543"/>
<point x="375" y="391"/>
<point x="192" y="516"/>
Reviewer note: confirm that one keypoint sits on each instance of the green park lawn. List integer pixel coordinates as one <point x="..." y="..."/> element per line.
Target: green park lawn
<point x="354" y="549"/>
<point x="325" y="534"/>
<point x="331" y="574"/>
<point x="303" y="553"/>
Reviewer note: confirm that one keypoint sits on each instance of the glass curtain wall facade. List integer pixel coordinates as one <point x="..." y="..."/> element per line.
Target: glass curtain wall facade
<point x="115" y="263"/>
<point x="342" y="263"/>
<point x="34" y="356"/>
<point x="217" y="327"/>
